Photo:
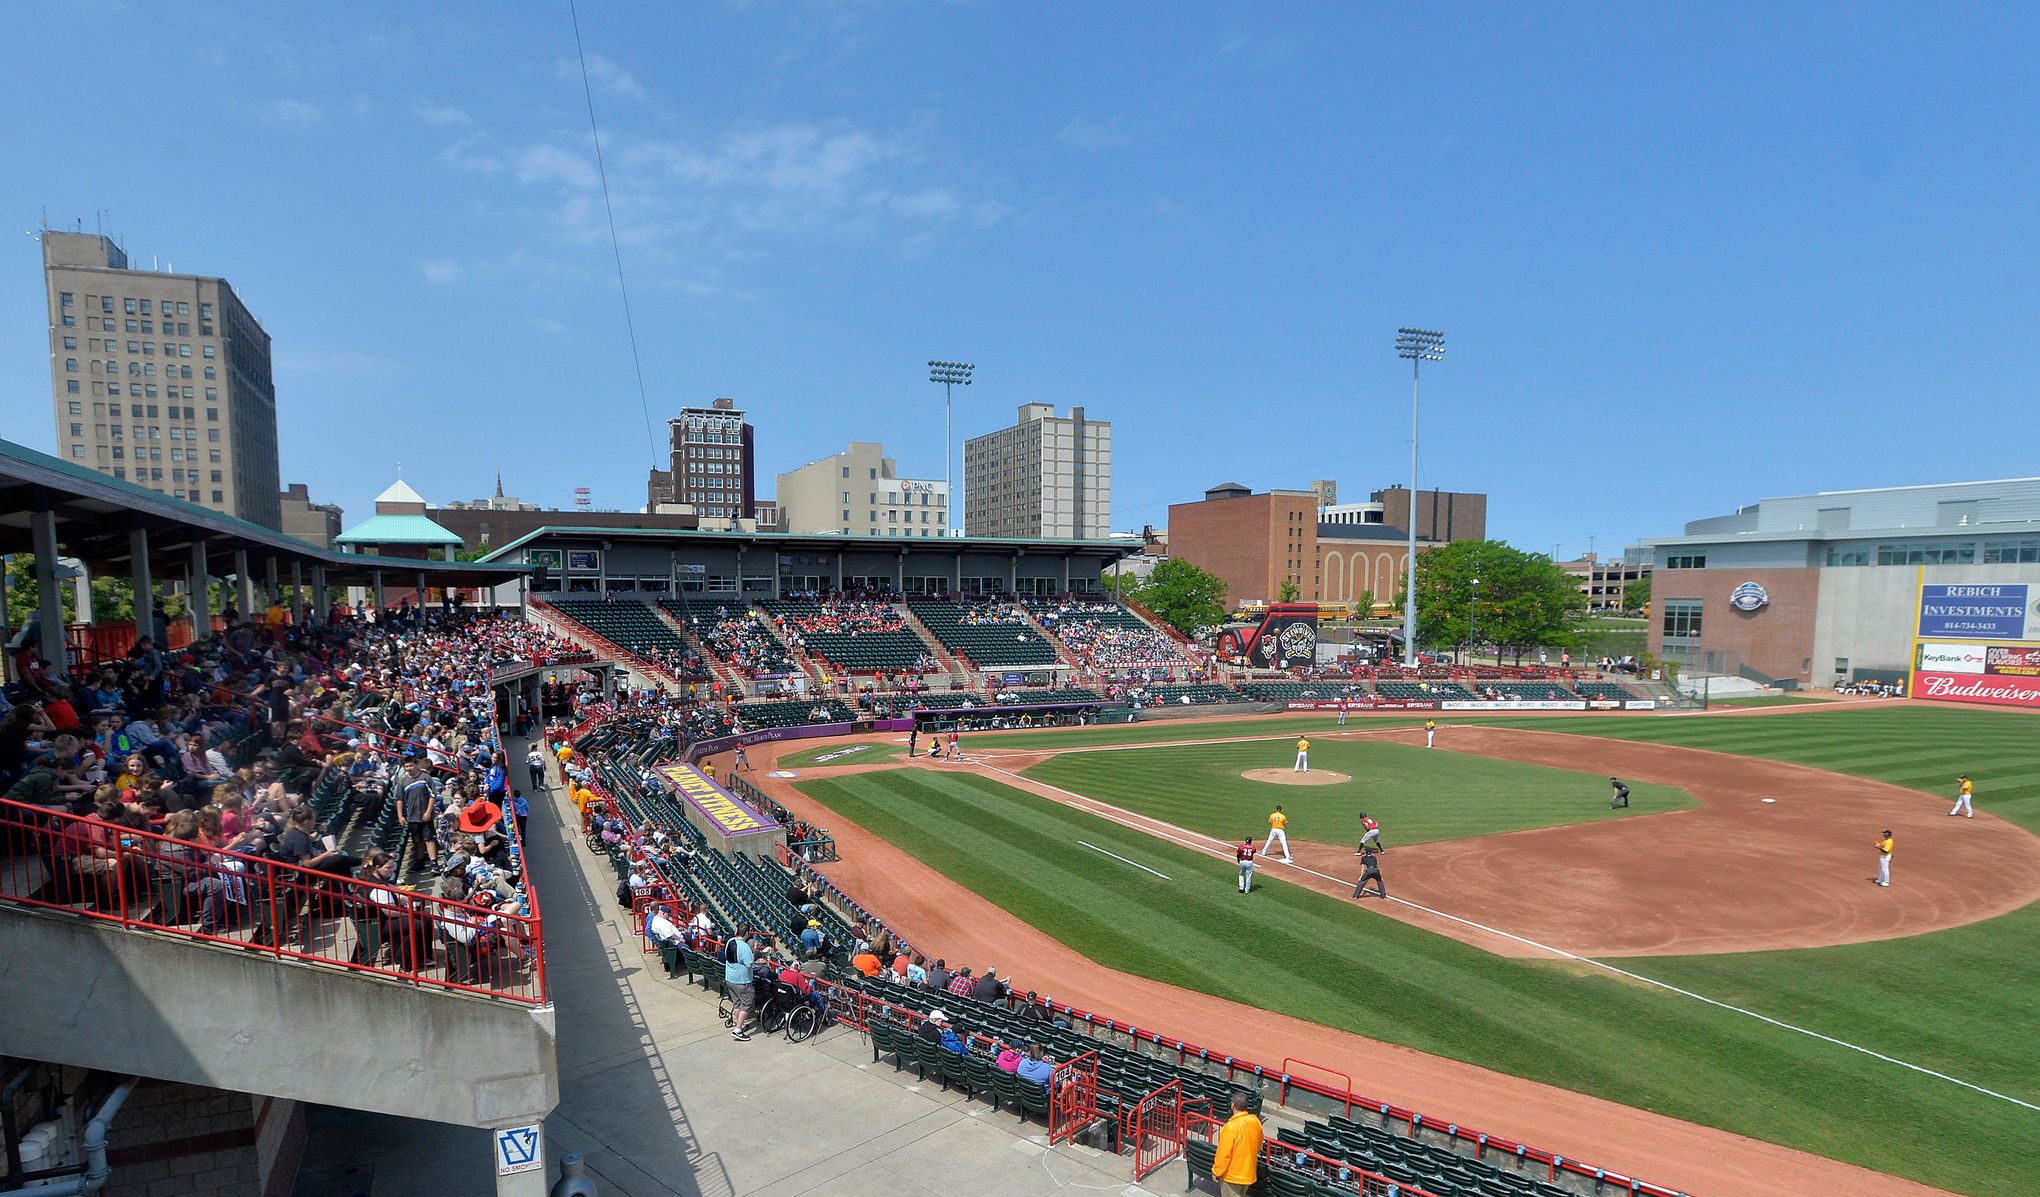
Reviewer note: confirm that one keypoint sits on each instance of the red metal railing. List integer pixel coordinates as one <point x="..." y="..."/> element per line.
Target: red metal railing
<point x="1277" y="1155"/>
<point x="143" y="881"/>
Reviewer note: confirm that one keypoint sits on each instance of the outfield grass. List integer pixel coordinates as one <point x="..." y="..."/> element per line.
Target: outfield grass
<point x="1323" y="959"/>
<point x="1417" y="795"/>
<point x="839" y="754"/>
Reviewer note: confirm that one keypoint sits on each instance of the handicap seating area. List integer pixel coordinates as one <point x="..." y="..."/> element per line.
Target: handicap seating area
<point x="1438" y="691"/>
<point x="1124" y="1075"/>
<point x="753" y="716"/>
<point x="853" y="635"/>
<point x="1327" y="1158"/>
<point x="990" y="635"/>
<point x="1204" y="694"/>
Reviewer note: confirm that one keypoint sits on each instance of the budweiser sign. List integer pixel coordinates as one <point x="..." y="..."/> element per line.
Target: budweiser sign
<point x="1999" y="691"/>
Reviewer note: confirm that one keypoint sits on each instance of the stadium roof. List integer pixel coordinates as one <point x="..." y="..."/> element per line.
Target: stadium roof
<point x="820" y="541"/>
<point x="397" y="529"/>
<point x="95" y="515"/>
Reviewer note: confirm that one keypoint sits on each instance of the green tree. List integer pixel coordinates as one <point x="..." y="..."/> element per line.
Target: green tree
<point x="112" y="597"/>
<point x="1636" y="595"/>
<point x="1287" y="592"/>
<point x="474" y="554"/>
<point x="1523" y="600"/>
<point x="1182" y="596"/>
<point x="1364" y="605"/>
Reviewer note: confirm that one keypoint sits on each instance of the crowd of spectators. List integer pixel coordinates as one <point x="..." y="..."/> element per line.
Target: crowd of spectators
<point x="1105" y="636"/>
<point x="177" y="781"/>
<point x="741" y="640"/>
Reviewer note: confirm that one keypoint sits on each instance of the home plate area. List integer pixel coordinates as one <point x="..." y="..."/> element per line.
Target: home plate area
<point x="1290" y="777"/>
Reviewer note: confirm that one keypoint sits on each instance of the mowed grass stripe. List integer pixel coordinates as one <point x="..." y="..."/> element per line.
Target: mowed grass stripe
<point x="1294" y="951"/>
<point x="1416" y="794"/>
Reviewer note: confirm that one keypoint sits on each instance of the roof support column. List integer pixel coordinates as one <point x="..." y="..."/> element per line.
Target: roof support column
<point x="319" y="604"/>
<point x="1066" y="573"/>
<point x="42" y="527"/>
<point x="900" y="574"/>
<point x="419" y="606"/>
<point x="297" y="593"/>
<point x="144" y="585"/>
<point x="81" y="593"/>
<point x="839" y="571"/>
<point x="271" y="596"/>
<point x="245" y="583"/>
<point x="200" y="597"/>
<point x="956" y="570"/>
<point x="376" y="577"/>
<point x="1013" y="575"/>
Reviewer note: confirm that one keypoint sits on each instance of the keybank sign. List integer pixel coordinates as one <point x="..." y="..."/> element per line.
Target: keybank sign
<point x="1976" y="612"/>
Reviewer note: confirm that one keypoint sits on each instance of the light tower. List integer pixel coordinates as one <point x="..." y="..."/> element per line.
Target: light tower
<point x="1417" y="346"/>
<point x="951" y="375"/>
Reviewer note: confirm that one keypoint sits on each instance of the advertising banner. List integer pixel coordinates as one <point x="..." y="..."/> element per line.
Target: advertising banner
<point x="1379" y="704"/>
<point x="1985" y="611"/>
<point x="1640" y="704"/>
<point x="1952" y="658"/>
<point x="718" y="806"/>
<point x="2007" y="660"/>
<point x="1515" y="704"/>
<point x="1972" y="688"/>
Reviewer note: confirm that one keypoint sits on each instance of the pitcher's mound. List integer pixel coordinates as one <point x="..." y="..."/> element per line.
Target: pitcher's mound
<point x="1290" y="777"/>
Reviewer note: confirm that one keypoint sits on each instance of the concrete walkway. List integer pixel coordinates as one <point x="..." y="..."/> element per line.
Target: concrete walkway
<point x="659" y="1100"/>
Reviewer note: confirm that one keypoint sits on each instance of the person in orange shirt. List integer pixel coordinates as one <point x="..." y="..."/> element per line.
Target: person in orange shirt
<point x="1238" y="1163"/>
<point x="866" y="963"/>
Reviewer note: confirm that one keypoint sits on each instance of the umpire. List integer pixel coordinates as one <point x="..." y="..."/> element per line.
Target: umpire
<point x="1370" y="870"/>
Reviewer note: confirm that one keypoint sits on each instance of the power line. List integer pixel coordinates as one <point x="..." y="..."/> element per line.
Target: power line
<point x="615" y="246"/>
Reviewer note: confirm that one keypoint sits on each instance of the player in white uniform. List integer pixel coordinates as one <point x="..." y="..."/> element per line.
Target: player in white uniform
<point x="1244" y="854"/>
<point x="1302" y="755"/>
<point x="1430" y="732"/>
<point x="1277" y="823"/>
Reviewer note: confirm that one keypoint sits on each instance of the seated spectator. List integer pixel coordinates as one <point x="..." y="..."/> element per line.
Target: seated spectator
<point x="811" y="937"/>
<point x="938" y="976"/>
<point x="1035" y="1068"/>
<point x="866" y="963"/>
<point x="962" y="984"/>
<point x="989" y="988"/>
<point x="1008" y="1059"/>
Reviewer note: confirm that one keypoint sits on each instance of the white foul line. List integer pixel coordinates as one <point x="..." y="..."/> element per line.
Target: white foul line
<point x="1116" y="856"/>
<point x="1113" y="814"/>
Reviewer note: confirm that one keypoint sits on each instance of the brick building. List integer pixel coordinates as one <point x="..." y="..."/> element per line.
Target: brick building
<point x="1255" y="542"/>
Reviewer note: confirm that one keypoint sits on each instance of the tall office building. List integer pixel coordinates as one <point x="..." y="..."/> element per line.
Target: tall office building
<point x="711" y="469"/>
<point x="1047" y="476"/>
<point x="859" y="493"/>
<point x="160" y="379"/>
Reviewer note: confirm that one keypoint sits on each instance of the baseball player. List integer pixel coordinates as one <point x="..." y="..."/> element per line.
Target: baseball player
<point x="1370" y="870"/>
<point x="1302" y="755"/>
<point x="1277" y="821"/>
<point x="1621" y="795"/>
<point x="955" y="748"/>
<point x="1884" y="850"/>
<point x="742" y="764"/>
<point x="1342" y="710"/>
<point x="1963" y="791"/>
<point x="1244" y="854"/>
<point x="1430" y="733"/>
<point x="1370" y="833"/>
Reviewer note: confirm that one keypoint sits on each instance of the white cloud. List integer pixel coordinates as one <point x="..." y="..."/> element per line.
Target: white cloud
<point x="546" y="324"/>
<point x="604" y="75"/>
<point x="551" y="163"/>
<point x="1087" y="133"/>
<point x="445" y="116"/>
<point x="440" y="270"/>
<point x="289" y="114"/>
<point x="468" y="154"/>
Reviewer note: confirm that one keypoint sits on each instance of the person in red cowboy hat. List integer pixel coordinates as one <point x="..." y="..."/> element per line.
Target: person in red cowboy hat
<point x="480" y="816"/>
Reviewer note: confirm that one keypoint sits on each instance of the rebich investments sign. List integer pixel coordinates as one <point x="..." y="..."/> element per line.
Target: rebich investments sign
<point x="1991" y="611"/>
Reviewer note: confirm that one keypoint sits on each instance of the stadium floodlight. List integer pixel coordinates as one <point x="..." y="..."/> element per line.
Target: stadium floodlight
<point x="951" y="375"/>
<point x="1416" y="346"/>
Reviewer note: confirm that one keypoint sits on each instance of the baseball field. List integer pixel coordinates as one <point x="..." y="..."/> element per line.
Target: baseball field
<point x="1903" y="1050"/>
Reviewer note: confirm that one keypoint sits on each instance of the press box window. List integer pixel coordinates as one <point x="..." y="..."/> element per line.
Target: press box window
<point x="1682" y="619"/>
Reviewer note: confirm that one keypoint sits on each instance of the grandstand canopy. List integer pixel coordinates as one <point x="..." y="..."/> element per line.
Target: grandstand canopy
<point x="101" y="520"/>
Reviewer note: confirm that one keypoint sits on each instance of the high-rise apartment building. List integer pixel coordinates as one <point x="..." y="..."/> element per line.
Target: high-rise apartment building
<point x="160" y="379"/>
<point x="711" y="469"/>
<point x="859" y="492"/>
<point x="1047" y="476"/>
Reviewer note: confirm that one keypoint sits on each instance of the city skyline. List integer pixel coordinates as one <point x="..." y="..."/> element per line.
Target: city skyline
<point x="1641" y="252"/>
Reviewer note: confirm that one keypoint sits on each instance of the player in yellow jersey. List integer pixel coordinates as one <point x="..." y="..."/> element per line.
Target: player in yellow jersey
<point x="1885" y="847"/>
<point x="1964" y="790"/>
<point x="1277" y="822"/>
<point x="1302" y="755"/>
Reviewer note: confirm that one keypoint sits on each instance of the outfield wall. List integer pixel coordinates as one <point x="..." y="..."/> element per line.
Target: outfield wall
<point x="1976" y="643"/>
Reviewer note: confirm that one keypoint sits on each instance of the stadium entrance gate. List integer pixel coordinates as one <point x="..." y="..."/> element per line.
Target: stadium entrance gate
<point x="1072" y="1097"/>
<point x="1157" y="1129"/>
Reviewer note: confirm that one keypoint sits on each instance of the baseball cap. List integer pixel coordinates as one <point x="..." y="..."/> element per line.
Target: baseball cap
<point x="814" y="922"/>
<point x="937" y="1016"/>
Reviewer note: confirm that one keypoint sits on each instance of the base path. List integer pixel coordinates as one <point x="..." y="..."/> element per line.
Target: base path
<point x="944" y="918"/>
<point x="1737" y="874"/>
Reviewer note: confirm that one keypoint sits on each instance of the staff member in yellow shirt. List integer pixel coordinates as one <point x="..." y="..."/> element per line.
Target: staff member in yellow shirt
<point x="1963" y="792"/>
<point x="1238" y="1163"/>
<point x="1884" y="847"/>
<point x="1277" y="835"/>
<point x="1302" y="755"/>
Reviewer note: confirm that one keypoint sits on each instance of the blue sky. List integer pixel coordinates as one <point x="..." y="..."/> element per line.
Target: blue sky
<point x="1685" y="256"/>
